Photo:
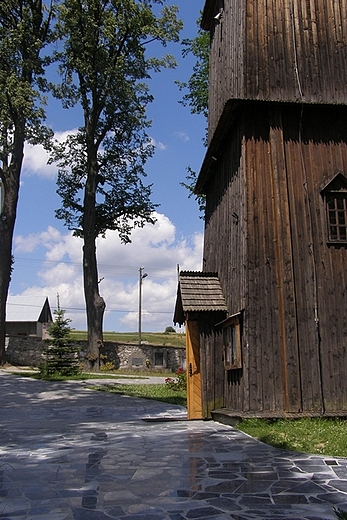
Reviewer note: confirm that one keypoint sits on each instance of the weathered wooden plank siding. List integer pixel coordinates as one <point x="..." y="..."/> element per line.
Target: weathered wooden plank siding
<point x="211" y="365"/>
<point x="227" y="51"/>
<point x="291" y="284"/>
<point x="226" y="207"/>
<point x="262" y="332"/>
<point x="293" y="50"/>
<point x="301" y="236"/>
<point x="225" y="217"/>
<point x="324" y="150"/>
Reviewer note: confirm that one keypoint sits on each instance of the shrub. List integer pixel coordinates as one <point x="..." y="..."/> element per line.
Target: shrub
<point x="108" y="366"/>
<point x="179" y="382"/>
<point x="169" y="329"/>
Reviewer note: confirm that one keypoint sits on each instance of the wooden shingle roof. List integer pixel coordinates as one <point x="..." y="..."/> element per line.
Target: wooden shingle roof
<point x="198" y="292"/>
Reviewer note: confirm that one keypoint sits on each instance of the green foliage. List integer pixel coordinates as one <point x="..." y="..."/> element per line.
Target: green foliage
<point x="61" y="355"/>
<point x="341" y="515"/>
<point x="24" y="32"/>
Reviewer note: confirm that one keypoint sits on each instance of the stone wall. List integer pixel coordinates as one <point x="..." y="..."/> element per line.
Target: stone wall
<point x="26" y="351"/>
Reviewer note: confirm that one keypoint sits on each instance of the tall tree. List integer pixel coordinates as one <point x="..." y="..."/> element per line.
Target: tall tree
<point x="104" y="65"/>
<point x="24" y="32"/>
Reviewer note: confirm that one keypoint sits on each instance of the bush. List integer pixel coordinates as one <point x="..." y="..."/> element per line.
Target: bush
<point x="178" y="383"/>
<point x="108" y="366"/>
<point x="169" y="329"/>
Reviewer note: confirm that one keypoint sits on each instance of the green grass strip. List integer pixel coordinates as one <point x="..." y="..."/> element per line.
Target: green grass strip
<point x="159" y="392"/>
<point x="316" y="436"/>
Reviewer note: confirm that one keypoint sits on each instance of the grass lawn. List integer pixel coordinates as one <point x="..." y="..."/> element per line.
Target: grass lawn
<point x="80" y="377"/>
<point x="316" y="436"/>
<point x="170" y="339"/>
<point x="158" y="392"/>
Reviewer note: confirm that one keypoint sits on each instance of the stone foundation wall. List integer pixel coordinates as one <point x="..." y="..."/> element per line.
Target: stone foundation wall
<point x="26" y="351"/>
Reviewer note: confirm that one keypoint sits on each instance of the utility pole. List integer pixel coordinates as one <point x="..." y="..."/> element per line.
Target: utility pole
<point x="142" y="275"/>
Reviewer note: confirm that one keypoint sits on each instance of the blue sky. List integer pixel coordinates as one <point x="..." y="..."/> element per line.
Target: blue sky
<point x="48" y="258"/>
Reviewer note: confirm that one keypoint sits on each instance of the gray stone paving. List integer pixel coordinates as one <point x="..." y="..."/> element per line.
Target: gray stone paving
<point x="69" y="453"/>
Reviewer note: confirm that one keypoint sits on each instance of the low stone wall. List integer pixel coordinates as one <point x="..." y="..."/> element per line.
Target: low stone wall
<point x="24" y="351"/>
<point x="27" y="351"/>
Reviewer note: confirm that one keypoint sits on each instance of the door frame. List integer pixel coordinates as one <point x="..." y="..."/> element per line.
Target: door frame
<point x="194" y="391"/>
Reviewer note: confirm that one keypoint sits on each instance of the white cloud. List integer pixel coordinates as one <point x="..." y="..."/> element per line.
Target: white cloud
<point x="182" y="136"/>
<point x="154" y="247"/>
<point x="36" y="158"/>
<point x="35" y="162"/>
<point x="158" y="144"/>
<point x="29" y="243"/>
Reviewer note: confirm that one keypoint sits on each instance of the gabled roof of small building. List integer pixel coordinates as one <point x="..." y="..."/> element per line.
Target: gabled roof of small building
<point x="198" y="292"/>
<point x="27" y="308"/>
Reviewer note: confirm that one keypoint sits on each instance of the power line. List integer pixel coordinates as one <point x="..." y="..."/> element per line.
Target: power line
<point x="129" y="268"/>
<point x="135" y="311"/>
<point x="82" y="309"/>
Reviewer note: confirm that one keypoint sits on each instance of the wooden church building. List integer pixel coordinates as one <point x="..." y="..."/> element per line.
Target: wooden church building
<point x="266" y="319"/>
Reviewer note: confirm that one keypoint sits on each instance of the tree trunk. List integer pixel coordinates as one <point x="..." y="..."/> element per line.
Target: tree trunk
<point x="95" y="304"/>
<point x="8" y="209"/>
<point x="6" y="234"/>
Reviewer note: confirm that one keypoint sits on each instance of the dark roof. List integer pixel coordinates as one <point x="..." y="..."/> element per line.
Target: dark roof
<point x="198" y="292"/>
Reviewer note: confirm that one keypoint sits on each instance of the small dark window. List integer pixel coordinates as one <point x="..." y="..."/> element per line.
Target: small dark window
<point x="159" y="359"/>
<point x="337" y="216"/>
<point x="137" y="362"/>
<point x="232" y="343"/>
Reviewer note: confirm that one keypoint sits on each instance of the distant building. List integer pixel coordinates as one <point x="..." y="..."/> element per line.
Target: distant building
<point x="28" y="316"/>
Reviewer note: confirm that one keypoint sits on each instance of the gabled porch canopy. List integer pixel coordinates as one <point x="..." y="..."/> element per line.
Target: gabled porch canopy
<point x="198" y="292"/>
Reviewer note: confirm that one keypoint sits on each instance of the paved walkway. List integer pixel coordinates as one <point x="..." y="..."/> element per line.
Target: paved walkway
<point x="69" y="453"/>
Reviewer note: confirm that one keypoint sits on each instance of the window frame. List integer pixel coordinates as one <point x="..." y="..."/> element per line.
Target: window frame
<point x="337" y="237"/>
<point x="232" y="350"/>
<point x="335" y="217"/>
<point x="137" y="361"/>
<point x="161" y="354"/>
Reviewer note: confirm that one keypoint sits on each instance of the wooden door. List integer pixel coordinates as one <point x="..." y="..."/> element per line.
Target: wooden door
<point x="193" y="370"/>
